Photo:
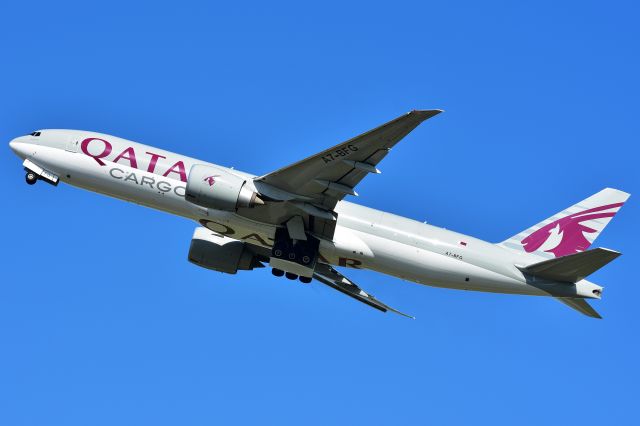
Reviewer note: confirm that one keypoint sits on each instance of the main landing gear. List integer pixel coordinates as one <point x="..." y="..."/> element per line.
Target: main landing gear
<point x="294" y="259"/>
<point x="31" y="177"/>
<point x="300" y="251"/>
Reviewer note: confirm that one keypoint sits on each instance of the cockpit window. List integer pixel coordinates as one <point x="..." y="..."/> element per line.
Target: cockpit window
<point x="34" y="134"/>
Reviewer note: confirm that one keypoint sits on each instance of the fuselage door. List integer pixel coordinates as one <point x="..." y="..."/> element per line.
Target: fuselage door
<point x="72" y="144"/>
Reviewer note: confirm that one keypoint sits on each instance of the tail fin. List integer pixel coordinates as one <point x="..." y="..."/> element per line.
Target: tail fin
<point x="572" y="230"/>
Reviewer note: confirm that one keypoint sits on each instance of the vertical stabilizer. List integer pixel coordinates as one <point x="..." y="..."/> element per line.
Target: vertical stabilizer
<point x="572" y="230"/>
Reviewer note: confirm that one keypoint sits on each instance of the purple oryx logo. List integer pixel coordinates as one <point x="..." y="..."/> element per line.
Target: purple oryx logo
<point x="570" y="230"/>
<point x="211" y="179"/>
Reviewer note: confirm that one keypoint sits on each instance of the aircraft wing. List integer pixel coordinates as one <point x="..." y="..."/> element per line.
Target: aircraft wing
<point x="325" y="178"/>
<point x="327" y="275"/>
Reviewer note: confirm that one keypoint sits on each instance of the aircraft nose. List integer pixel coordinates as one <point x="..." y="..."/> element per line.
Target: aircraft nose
<point x="19" y="147"/>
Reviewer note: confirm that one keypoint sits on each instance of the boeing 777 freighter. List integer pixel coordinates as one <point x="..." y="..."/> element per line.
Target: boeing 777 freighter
<point x="296" y="221"/>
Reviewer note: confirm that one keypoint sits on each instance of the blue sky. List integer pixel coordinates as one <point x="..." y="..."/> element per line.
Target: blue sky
<point x="102" y="319"/>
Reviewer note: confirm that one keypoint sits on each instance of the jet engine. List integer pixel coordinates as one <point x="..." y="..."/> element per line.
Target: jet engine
<point x="216" y="188"/>
<point x="212" y="251"/>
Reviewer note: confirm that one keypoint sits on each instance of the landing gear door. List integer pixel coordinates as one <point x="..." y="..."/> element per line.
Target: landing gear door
<point x="72" y="144"/>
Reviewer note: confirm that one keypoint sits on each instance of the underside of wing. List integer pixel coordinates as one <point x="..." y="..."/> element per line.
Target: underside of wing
<point x="312" y="187"/>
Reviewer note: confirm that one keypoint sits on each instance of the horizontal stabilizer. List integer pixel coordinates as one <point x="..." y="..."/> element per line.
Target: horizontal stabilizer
<point x="579" y="305"/>
<point x="572" y="268"/>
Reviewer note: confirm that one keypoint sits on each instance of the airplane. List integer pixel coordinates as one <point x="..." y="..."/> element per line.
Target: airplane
<point x="296" y="221"/>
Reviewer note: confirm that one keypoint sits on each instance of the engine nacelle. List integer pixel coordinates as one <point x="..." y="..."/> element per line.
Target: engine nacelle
<point x="221" y="254"/>
<point x="218" y="189"/>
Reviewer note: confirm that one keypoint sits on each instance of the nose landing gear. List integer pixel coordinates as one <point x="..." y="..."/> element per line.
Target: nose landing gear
<point x="36" y="173"/>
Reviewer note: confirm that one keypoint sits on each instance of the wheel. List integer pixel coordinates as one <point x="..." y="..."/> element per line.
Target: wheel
<point x="277" y="272"/>
<point x="280" y="250"/>
<point x="31" y="178"/>
<point x="291" y="276"/>
<point x="303" y="255"/>
<point x="305" y="280"/>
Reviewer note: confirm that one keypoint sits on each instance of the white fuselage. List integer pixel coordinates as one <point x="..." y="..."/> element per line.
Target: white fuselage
<point x="364" y="238"/>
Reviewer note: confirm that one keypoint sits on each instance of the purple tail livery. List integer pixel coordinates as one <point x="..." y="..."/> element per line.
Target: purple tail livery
<point x="572" y="230"/>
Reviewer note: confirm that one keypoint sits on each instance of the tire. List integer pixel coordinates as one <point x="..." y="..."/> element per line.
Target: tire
<point x="305" y="280"/>
<point x="291" y="276"/>
<point x="31" y="178"/>
<point x="277" y="272"/>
